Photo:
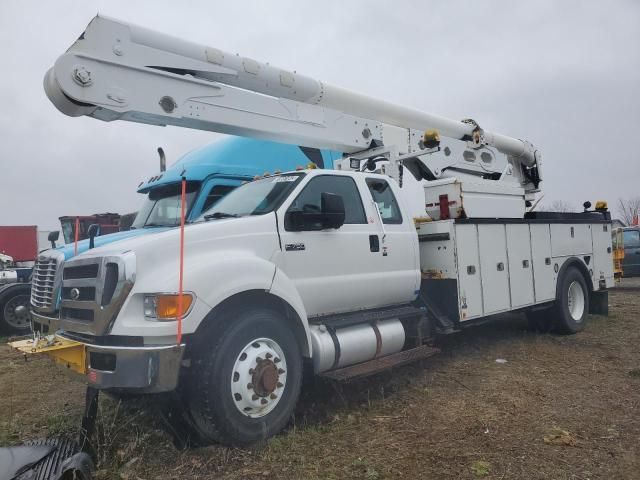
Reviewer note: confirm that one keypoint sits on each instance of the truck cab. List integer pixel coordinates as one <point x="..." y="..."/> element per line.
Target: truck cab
<point x="211" y="172"/>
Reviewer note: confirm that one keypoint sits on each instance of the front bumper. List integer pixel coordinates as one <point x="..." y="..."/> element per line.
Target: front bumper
<point x="148" y="369"/>
<point x="43" y="324"/>
<point x="139" y="369"/>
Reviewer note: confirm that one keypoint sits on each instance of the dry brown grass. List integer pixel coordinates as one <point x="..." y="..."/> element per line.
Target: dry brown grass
<point x="457" y="415"/>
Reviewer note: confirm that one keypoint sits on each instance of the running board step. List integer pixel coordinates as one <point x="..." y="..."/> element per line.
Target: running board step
<point x="380" y="364"/>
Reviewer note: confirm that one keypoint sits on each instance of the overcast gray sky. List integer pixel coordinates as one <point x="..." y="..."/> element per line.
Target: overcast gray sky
<point x="564" y="75"/>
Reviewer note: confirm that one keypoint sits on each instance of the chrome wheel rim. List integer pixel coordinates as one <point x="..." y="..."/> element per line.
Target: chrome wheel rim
<point x="16" y="312"/>
<point x="259" y="377"/>
<point x="576" y="301"/>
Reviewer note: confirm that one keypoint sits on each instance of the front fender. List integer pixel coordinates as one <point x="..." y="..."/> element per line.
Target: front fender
<point x="212" y="280"/>
<point x="284" y="288"/>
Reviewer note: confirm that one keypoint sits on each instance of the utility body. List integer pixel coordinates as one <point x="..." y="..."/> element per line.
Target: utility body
<point x="328" y="266"/>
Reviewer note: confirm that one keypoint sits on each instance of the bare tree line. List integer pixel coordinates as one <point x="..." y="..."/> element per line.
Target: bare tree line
<point x="628" y="209"/>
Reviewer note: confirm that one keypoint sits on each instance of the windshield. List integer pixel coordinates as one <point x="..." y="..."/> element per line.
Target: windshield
<point x="161" y="208"/>
<point x="67" y="230"/>
<point x="254" y="198"/>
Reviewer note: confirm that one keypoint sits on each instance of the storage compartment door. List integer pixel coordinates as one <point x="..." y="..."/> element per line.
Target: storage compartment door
<point x="469" y="286"/>
<point x="494" y="268"/>
<point x="602" y="254"/>
<point x="570" y="239"/>
<point x="543" y="275"/>
<point x="520" y="269"/>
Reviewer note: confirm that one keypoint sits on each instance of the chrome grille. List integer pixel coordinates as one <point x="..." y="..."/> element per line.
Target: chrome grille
<point x="43" y="283"/>
<point x="93" y="290"/>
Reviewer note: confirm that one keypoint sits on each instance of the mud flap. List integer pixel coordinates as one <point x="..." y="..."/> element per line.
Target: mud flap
<point x="599" y="303"/>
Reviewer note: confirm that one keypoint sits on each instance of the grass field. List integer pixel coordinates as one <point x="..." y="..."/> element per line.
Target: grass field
<point x="561" y="407"/>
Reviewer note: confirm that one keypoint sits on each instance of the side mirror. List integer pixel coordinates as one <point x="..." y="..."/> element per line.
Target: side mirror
<point x="294" y="221"/>
<point x="93" y="232"/>
<point x="332" y="207"/>
<point x="53" y="237"/>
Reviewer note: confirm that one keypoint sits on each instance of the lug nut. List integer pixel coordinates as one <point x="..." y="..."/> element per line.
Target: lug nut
<point x="273" y="396"/>
<point x="251" y="371"/>
<point x="279" y="385"/>
<point x="276" y="360"/>
<point x="254" y="397"/>
<point x="268" y="355"/>
<point x="263" y="401"/>
<point x="280" y="371"/>
<point x="250" y="386"/>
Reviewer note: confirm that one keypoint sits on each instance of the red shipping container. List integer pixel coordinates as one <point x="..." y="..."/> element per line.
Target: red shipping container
<point x="20" y="242"/>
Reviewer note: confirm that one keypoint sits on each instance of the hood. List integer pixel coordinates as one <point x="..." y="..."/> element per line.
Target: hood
<point x="83" y="245"/>
<point x="196" y="235"/>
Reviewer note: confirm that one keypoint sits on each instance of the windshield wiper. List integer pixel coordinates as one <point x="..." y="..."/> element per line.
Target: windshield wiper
<point x="159" y="225"/>
<point x="220" y="215"/>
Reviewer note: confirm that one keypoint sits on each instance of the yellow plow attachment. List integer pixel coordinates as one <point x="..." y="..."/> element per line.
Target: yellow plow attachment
<point x="71" y="354"/>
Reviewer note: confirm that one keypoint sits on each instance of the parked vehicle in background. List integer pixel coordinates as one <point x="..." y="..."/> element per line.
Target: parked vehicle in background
<point x="108" y="223"/>
<point x="19" y="242"/>
<point x="19" y="248"/>
<point x="631" y="260"/>
<point x="23" y="243"/>
<point x="211" y="172"/>
<point x="618" y="251"/>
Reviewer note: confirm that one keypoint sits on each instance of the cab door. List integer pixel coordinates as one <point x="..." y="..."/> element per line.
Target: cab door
<point x="398" y="259"/>
<point x="334" y="270"/>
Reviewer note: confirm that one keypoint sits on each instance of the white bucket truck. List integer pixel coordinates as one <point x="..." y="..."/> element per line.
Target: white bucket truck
<point x="330" y="267"/>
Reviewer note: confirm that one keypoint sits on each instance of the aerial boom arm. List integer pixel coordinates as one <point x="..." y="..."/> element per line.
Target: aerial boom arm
<point x="121" y="71"/>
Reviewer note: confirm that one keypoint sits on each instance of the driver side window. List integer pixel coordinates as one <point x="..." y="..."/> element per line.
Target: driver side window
<point x="309" y="200"/>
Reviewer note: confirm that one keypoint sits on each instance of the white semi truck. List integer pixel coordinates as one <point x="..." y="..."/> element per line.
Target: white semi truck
<point x="325" y="268"/>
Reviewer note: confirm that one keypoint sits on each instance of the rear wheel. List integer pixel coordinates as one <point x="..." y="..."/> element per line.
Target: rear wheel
<point x="14" y="309"/>
<point x="246" y="378"/>
<point x="572" y="304"/>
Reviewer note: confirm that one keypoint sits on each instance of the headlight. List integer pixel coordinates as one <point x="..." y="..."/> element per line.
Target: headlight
<point x="164" y="306"/>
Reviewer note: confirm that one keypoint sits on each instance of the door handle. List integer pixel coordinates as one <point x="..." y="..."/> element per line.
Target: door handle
<point x="374" y="243"/>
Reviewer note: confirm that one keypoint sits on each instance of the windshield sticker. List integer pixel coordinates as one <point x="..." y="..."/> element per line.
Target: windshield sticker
<point x="285" y="178"/>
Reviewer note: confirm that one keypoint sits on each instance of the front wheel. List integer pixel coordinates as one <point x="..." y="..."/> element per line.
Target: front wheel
<point x="572" y="304"/>
<point x="246" y="378"/>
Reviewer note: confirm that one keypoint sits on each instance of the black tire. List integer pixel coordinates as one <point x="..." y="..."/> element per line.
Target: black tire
<point x="209" y="396"/>
<point x="541" y="320"/>
<point x="571" y="315"/>
<point x="11" y="321"/>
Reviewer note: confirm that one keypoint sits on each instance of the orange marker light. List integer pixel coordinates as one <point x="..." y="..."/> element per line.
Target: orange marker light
<point x="168" y="306"/>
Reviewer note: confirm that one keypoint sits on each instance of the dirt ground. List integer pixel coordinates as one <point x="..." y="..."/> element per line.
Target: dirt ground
<point x="561" y="407"/>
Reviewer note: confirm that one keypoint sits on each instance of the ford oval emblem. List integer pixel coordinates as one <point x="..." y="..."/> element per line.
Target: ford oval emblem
<point x="74" y="294"/>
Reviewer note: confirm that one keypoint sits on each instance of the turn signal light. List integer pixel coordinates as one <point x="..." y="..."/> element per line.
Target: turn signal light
<point x="165" y="306"/>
